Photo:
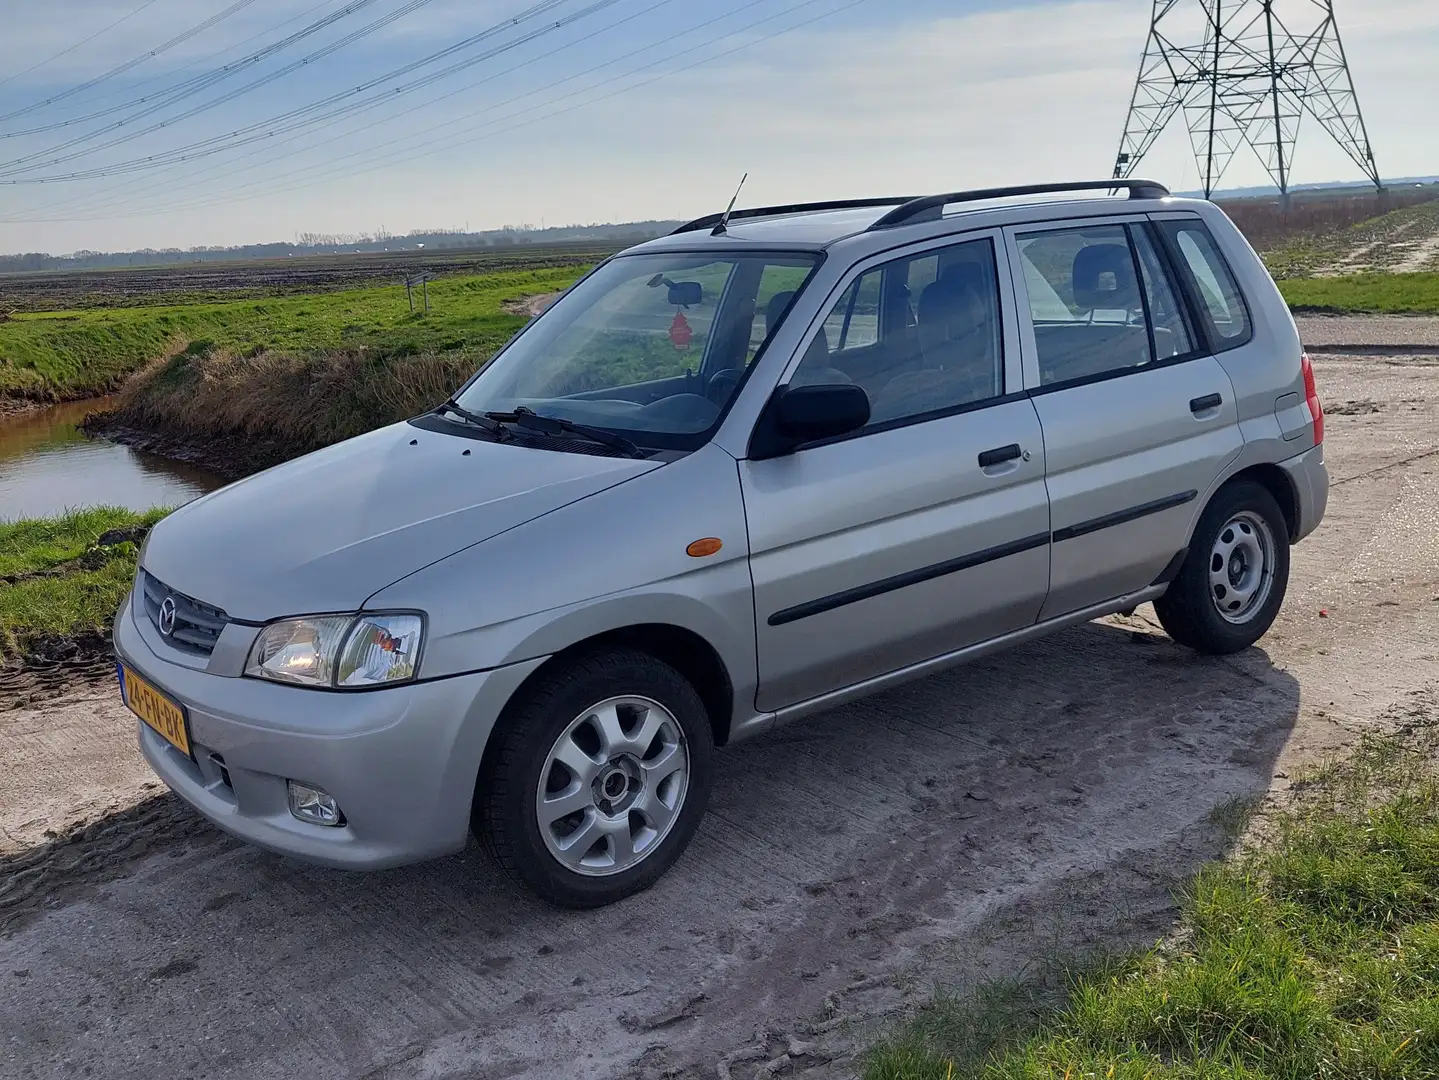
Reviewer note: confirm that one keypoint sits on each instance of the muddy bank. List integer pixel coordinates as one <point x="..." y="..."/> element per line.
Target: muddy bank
<point x="230" y="456"/>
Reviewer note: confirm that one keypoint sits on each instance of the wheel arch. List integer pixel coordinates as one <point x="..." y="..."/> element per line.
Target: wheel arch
<point x="680" y="647"/>
<point x="1273" y="479"/>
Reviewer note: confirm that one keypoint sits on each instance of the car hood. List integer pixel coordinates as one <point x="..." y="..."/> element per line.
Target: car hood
<point x="325" y="531"/>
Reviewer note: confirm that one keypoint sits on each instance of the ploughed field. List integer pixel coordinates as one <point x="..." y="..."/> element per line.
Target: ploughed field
<point x="200" y="282"/>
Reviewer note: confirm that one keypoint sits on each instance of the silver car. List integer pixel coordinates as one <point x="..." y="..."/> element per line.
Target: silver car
<point x="778" y="460"/>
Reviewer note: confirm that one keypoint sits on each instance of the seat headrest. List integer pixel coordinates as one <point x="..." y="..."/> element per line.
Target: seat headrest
<point x="949" y="311"/>
<point x="775" y="309"/>
<point x="1104" y="278"/>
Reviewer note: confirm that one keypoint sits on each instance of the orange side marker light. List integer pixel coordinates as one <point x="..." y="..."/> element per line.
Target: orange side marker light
<point x="708" y="546"/>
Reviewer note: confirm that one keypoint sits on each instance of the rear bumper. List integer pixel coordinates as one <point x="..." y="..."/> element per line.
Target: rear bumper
<point x="401" y="762"/>
<point x="1310" y="479"/>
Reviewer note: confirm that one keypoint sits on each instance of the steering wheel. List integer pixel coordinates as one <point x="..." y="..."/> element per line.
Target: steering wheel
<point x="722" y="385"/>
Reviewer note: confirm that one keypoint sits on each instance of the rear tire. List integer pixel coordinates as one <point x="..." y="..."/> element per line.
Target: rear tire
<point x="597" y="780"/>
<point x="1233" y="580"/>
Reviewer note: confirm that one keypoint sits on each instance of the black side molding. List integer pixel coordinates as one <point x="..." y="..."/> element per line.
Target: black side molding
<point x="909" y="577"/>
<point x="1120" y="517"/>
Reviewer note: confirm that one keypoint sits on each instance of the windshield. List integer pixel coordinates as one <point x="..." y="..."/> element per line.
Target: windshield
<point x="652" y="347"/>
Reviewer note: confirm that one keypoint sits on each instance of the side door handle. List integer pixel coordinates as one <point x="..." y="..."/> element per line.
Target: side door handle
<point x="1205" y="403"/>
<point x="999" y="455"/>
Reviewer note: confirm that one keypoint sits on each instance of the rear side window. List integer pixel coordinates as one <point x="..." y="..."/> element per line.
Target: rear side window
<point x="1220" y="302"/>
<point x="1100" y="301"/>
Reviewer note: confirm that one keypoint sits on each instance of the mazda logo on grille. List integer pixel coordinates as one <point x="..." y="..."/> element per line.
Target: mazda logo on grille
<point x="167" y="616"/>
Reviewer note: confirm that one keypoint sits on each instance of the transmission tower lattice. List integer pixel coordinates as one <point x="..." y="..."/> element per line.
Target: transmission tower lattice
<point x="1244" y="72"/>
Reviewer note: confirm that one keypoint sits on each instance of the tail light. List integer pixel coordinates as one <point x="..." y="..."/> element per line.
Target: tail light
<point x="1311" y="398"/>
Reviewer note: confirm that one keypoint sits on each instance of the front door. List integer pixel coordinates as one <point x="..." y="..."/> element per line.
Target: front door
<point x="927" y="530"/>
<point x="1139" y="420"/>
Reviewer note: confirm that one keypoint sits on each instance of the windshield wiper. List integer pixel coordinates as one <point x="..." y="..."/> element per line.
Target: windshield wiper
<point x="488" y="423"/>
<point x="526" y="417"/>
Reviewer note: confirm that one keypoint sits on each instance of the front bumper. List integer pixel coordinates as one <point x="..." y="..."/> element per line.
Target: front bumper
<point x="1310" y="478"/>
<point x="401" y="761"/>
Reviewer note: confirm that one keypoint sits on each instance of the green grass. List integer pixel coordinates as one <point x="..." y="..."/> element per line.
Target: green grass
<point x="1314" y="955"/>
<point x="1387" y="294"/>
<point x="71" y="354"/>
<point x="56" y="583"/>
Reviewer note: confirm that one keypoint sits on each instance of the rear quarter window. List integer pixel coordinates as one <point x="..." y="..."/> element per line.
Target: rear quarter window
<point x="1211" y="284"/>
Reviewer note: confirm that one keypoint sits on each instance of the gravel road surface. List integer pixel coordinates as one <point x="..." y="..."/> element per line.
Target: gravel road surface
<point x="952" y="830"/>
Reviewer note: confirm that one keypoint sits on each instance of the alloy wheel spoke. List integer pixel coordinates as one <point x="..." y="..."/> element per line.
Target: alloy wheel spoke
<point x="655" y="812"/>
<point x="553" y="807"/>
<point x="569" y="754"/>
<point x="612" y="732"/>
<point x="573" y="848"/>
<point x="670" y="761"/>
<point x="645" y="734"/>
<point x="622" y="844"/>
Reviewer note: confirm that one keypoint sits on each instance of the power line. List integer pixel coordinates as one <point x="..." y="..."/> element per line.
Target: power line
<point x="178" y="39"/>
<point x="203" y="80"/>
<point x="82" y="41"/>
<point x="227" y="167"/>
<point x="305" y="115"/>
<point x="378" y="162"/>
<point x="192" y="87"/>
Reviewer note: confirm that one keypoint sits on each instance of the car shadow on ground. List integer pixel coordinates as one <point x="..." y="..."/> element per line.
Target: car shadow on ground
<point x="851" y="839"/>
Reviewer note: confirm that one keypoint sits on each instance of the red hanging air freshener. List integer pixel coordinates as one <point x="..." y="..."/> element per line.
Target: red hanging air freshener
<point x="680" y="332"/>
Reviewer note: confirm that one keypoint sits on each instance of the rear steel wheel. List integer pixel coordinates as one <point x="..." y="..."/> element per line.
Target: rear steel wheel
<point x="1232" y="582"/>
<point x="1241" y="567"/>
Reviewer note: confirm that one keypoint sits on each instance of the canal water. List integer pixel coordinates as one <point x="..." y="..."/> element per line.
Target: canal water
<point x="47" y="466"/>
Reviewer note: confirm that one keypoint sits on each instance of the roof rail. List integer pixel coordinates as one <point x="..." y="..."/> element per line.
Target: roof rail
<point x="930" y="207"/>
<point x="711" y="220"/>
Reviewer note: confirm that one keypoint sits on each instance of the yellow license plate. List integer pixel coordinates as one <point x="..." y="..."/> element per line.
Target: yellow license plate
<point x="156" y="709"/>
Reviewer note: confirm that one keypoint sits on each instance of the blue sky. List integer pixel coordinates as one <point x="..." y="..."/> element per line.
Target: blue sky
<point x="612" y="117"/>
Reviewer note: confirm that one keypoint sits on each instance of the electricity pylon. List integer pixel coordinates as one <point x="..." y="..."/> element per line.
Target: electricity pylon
<point x="1244" y="72"/>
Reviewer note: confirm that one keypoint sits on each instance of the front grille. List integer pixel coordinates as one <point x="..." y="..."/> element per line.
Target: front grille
<point x="197" y="625"/>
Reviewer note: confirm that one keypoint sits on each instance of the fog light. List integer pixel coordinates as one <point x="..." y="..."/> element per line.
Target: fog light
<point x="314" y="805"/>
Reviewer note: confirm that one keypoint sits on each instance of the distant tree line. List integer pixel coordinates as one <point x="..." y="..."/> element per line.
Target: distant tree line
<point x="337" y="243"/>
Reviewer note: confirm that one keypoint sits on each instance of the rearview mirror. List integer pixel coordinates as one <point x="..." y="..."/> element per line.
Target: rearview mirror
<point x="804" y="414"/>
<point x="686" y="293"/>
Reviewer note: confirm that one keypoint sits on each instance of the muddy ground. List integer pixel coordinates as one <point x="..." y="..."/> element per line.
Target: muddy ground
<point x="961" y="828"/>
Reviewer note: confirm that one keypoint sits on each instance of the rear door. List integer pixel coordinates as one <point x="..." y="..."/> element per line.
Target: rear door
<point x="1139" y="419"/>
<point x="927" y="530"/>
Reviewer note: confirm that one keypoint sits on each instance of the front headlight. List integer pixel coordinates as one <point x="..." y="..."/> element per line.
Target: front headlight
<point x="338" y="650"/>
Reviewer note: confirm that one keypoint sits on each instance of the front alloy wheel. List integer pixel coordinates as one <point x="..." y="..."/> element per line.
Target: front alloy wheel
<point x="596" y="778"/>
<point x="612" y="786"/>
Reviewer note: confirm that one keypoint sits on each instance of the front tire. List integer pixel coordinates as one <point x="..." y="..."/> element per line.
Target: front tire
<point x="598" y="778"/>
<point x="1232" y="583"/>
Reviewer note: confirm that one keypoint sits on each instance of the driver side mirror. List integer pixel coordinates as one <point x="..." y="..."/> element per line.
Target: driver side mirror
<point x="803" y="414"/>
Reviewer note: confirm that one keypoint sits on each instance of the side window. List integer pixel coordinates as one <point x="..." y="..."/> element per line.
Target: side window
<point x="1166" y="315"/>
<point x="1220" y="301"/>
<point x="777" y="287"/>
<point x="938" y="347"/>
<point x="854" y="322"/>
<point x="1086" y="302"/>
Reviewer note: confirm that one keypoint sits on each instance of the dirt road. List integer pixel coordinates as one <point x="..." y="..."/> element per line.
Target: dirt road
<point x="952" y="830"/>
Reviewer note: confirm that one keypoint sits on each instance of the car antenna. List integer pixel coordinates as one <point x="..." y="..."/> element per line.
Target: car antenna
<point x="719" y="229"/>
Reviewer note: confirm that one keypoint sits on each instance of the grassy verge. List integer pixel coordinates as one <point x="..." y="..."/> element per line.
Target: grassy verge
<point x="1314" y="955"/>
<point x="58" y="582"/>
<point x="1384" y="294"/>
<point x="72" y="354"/>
